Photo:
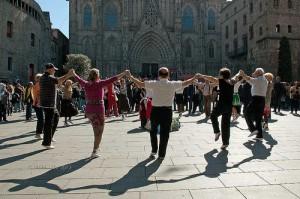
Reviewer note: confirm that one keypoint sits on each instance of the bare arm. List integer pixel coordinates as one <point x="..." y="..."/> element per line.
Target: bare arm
<point x="65" y="77"/>
<point x="245" y="77"/>
<point x="211" y="79"/>
<point x="121" y="75"/>
<point x="189" y="81"/>
<point x="137" y="82"/>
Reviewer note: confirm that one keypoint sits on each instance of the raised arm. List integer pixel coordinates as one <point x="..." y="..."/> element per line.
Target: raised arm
<point x="189" y="81"/>
<point x="137" y="82"/>
<point x="211" y="79"/>
<point x="81" y="81"/>
<point x="245" y="77"/>
<point x="113" y="79"/>
<point x="65" y="77"/>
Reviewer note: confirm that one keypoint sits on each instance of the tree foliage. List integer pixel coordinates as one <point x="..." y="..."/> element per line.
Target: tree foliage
<point x="79" y="62"/>
<point x="285" y="60"/>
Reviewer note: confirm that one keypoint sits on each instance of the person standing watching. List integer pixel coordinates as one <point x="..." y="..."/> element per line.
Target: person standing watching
<point x="36" y="106"/>
<point x="163" y="92"/>
<point x="255" y="109"/>
<point x="279" y="92"/>
<point x="48" y="96"/>
<point x="28" y="101"/>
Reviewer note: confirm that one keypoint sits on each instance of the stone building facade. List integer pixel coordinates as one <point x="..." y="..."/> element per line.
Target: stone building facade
<point x="59" y="48"/>
<point x="251" y="33"/>
<point x="142" y="35"/>
<point x="26" y="40"/>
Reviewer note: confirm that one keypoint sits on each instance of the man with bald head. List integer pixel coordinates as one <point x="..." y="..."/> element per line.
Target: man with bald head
<point x="163" y="92"/>
<point x="255" y="109"/>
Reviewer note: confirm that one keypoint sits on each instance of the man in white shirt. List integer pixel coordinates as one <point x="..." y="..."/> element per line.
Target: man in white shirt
<point x="255" y="109"/>
<point x="163" y="92"/>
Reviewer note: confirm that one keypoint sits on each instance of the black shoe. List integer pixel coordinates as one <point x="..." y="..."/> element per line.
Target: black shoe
<point x="161" y="158"/>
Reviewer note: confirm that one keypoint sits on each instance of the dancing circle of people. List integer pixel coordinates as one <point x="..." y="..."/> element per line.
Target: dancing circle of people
<point x="154" y="101"/>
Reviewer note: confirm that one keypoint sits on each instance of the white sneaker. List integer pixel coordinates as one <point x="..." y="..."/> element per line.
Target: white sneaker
<point x="95" y="154"/>
<point x="253" y="133"/>
<point x="38" y="136"/>
<point x="49" y="147"/>
<point x="53" y="140"/>
<point x="152" y="155"/>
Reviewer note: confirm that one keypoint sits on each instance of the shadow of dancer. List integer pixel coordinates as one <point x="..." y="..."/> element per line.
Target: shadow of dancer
<point x="12" y="159"/>
<point x="5" y="146"/>
<point x="17" y="137"/>
<point x="43" y="179"/>
<point x="128" y="181"/>
<point x="215" y="166"/>
<point x="258" y="149"/>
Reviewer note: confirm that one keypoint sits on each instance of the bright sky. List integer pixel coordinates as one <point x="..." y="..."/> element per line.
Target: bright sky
<point x="59" y="13"/>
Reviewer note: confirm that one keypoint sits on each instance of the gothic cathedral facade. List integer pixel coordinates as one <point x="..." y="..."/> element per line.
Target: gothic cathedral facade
<point x="142" y="35"/>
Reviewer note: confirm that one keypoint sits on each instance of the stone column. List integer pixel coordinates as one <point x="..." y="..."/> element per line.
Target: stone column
<point x="178" y="36"/>
<point x="99" y="35"/>
<point x="125" y="35"/>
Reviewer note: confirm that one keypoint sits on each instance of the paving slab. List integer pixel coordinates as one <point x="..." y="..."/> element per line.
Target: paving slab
<point x="266" y="192"/>
<point x="294" y="188"/>
<point x="221" y="193"/>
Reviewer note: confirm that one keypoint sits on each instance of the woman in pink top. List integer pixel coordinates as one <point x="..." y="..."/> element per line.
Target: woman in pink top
<point x="94" y="93"/>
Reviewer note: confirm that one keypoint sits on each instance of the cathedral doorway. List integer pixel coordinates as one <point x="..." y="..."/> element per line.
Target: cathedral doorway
<point x="149" y="70"/>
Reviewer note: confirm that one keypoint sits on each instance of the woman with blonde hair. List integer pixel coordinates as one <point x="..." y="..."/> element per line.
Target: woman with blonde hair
<point x="267" y="110"/>
<point x="67" y="108"/>
<point x="95" y="111"/>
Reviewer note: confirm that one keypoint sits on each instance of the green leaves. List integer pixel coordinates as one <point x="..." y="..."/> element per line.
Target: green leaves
<point x="80" y="63"/>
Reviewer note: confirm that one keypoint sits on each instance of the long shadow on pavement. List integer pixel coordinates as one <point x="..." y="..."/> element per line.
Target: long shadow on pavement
<point x="18" y="144"/>
<point x="128" y="181"/>
<point x="43" y="179"/>
<point x="25" y="135"/>
<point x="9" y="160"/>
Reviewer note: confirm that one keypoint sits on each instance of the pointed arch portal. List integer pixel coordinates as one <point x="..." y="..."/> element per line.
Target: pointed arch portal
<point x="151" y="50"/>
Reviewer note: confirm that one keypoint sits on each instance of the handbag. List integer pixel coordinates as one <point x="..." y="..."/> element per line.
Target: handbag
<point x="73" y="110"/>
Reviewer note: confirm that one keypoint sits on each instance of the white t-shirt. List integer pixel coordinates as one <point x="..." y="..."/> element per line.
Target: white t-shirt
<point x="237" y="86"/>
<point x="163" y="91"/>
<point x="259" y="86"/>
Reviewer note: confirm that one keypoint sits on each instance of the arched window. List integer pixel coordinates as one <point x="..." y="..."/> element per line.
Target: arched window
<point x="211" y="49"/>
<point x="111" y="17"/>
<point x="87" y="16"/>
<point x="188" y="19"/>
<point x="211" y="23"/>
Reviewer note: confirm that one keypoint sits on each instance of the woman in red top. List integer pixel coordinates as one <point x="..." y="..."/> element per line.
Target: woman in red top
<point x="112" y="102"/>
<point x="95" y="111"/>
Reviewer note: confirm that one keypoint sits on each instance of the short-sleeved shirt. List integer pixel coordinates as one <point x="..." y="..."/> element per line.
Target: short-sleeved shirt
<point x="48" y="93"/>
<point x="259" y="86"/>
<point x="163" y="91"/>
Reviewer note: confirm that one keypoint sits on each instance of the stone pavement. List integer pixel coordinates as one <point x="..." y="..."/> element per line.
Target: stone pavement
<point x="193" y="168"/>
